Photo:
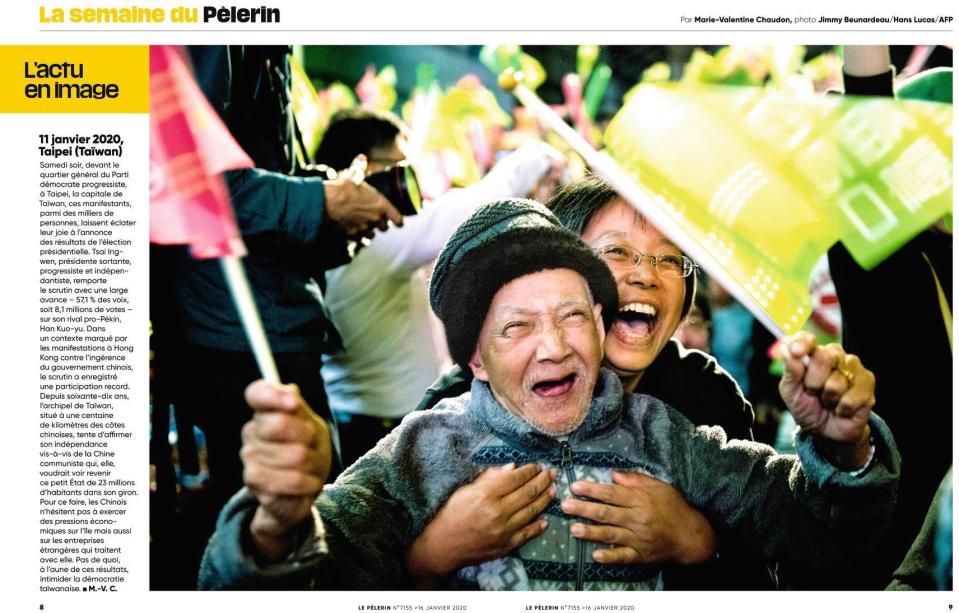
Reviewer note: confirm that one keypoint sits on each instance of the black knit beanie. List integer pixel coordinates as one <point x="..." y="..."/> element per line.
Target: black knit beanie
<point x="500" y="242"/>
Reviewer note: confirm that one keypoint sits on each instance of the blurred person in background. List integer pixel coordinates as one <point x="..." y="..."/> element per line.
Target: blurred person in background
<point x="694" y="332"/>
<point x="731" y="338"/>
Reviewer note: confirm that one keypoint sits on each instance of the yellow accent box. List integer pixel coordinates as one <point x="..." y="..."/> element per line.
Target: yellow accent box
<point x="74" y="79"/>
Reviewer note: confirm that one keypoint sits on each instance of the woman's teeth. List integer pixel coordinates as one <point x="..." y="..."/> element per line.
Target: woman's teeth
<point x="637" y="319"/>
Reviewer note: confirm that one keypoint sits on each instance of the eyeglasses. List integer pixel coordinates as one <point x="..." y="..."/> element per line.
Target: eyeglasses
<point x="624" y="257"/>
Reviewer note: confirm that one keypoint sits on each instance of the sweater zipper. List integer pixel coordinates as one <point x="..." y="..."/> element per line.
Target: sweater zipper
<point x="567" y="465"/>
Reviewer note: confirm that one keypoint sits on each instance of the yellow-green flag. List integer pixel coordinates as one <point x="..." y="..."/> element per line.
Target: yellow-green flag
<point x="309" y="115"/>
<point x="765" y="183"/>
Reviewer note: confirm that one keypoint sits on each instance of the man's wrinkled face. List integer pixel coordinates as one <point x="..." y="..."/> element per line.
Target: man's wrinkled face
<point x="540" y="349"/>
<point x="650" y="303"/>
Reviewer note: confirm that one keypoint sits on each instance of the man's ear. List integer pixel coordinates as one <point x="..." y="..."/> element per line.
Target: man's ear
<point x="598" y="320"/>
<point x="476" y="365"/>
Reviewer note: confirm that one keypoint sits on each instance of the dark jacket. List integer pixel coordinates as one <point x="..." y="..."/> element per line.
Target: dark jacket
<point x="281" y="216"/>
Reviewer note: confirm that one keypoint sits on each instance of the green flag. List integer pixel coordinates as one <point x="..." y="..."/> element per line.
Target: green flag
<point x="765" y="183"/>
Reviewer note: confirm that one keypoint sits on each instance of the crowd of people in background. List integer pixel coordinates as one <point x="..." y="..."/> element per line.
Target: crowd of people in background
<point x="352" y="296"/>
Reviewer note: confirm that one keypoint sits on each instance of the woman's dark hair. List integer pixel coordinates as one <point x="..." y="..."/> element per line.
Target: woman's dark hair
<point x="575" y="204"/>
<point x="355" y="131"/>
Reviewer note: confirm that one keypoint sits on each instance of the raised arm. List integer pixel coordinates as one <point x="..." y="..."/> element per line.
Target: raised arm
<point x="865" y="60"/>
<point x="830" y="507"/>
<point x="295" y="210"/>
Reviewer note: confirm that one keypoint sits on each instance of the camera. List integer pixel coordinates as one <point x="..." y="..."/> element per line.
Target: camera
<point x="399" y="185"/>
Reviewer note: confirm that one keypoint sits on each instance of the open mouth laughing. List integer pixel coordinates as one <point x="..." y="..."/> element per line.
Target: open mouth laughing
<point x="551" y="388"/>
<point x="636" y="320"/>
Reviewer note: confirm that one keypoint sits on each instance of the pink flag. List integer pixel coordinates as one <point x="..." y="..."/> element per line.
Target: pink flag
<point x="189" y="148"/>
<point x="366" y="89"/>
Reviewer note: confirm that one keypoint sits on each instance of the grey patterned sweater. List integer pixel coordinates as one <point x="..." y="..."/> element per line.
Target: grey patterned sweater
<point x="801" y="508"/>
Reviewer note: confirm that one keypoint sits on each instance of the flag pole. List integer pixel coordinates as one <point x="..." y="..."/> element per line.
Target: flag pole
<point x="189" y="148"/>
<point x="249" y="316"/>
<point x="624" y="184"/>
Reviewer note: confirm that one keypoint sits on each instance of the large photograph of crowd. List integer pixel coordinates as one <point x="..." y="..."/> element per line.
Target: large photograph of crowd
<point x="551" y="318"/>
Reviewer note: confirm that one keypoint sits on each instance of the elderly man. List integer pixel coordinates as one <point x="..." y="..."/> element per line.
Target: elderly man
<point x="526" y="306"/>
<point x="376" y="379"/>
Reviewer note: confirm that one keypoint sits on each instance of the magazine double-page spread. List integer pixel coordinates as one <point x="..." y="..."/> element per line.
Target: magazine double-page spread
<point x="478" y="307"/>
